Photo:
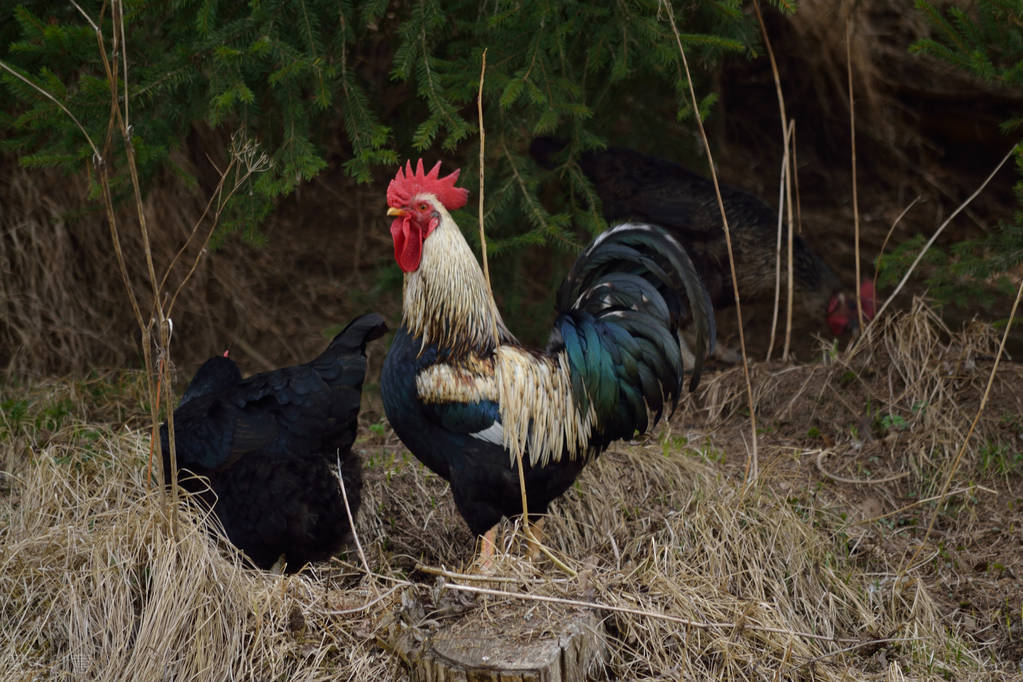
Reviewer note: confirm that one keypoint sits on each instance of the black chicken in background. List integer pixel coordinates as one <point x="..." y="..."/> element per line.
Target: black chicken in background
<point x="635" y="186"/>
<point x="271" y="448"/>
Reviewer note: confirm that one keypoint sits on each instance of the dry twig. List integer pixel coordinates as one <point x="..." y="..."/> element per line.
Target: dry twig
<point x="752" y="466"/>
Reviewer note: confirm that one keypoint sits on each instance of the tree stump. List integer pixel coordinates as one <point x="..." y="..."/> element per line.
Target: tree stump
<point x="505" y="641"/>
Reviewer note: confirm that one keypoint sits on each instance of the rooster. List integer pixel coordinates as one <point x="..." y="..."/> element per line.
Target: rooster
<point x="636" y="186"/>
<point x="271" y="449"/>
<point x="468" y="400"/>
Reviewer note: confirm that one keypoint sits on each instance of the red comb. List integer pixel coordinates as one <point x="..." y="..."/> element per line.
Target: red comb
<point x="226" y="352"/>
<point x="406" y="184"/>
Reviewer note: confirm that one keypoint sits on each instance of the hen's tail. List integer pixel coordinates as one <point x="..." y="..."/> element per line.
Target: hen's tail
<point x="620" y="309"/>
<point x="344" y="360"/>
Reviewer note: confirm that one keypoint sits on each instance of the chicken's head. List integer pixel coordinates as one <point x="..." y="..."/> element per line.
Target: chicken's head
<point x="413" y="199"/>
<point x="842" y="315"/>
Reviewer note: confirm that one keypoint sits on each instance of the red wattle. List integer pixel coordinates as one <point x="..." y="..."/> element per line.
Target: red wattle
<point x="408" y="243"/>
<point x="868" y="296"/>
<point x="838" y="315"/>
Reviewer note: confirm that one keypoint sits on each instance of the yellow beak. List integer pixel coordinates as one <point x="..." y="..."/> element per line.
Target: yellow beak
<point x="392" y="211"/>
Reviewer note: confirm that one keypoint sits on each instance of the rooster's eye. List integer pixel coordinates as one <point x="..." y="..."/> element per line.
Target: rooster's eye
<point x="424" y="207"/>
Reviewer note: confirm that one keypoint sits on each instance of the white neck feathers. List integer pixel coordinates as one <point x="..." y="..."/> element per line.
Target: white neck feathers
<point x="447" y="300"/>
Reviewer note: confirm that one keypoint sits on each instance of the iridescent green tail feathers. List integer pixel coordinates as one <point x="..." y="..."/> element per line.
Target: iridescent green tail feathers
<point x="620" y="310"/>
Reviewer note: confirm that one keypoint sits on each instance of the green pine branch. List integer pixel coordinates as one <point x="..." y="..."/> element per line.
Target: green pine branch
<point x="986" y="41"/>
<point x="386" y="79"/>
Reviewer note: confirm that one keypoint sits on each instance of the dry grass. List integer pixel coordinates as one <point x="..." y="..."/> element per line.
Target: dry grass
<point x="873" y="437"/>
<point x="905" y="397"/>
<point x="697" y="579"/>
<point x="63" y="309"/>
<point x="94" y="585"/>
<point x="44" y="264"/>
<point x="708" y="583"/>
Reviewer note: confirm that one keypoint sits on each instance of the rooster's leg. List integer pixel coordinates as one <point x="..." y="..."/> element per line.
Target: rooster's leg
<point x="487" y="543"/>
<point x="534" y="539"/>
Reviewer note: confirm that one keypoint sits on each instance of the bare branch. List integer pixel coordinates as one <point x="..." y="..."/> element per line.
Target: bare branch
<point x="95" y="151"/>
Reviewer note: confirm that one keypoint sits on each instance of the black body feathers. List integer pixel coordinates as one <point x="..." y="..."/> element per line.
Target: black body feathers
<point x="269" y="446"/>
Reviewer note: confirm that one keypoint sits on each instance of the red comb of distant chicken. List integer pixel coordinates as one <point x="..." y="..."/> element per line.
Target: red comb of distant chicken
<point x="842" y="315"/>
<point x="868" y="299"/>
<point x="406" y="184"/>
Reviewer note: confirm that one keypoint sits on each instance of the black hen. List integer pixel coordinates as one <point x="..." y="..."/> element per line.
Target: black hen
<point x="632" y="185"/>
<point x="269" y="446"/>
